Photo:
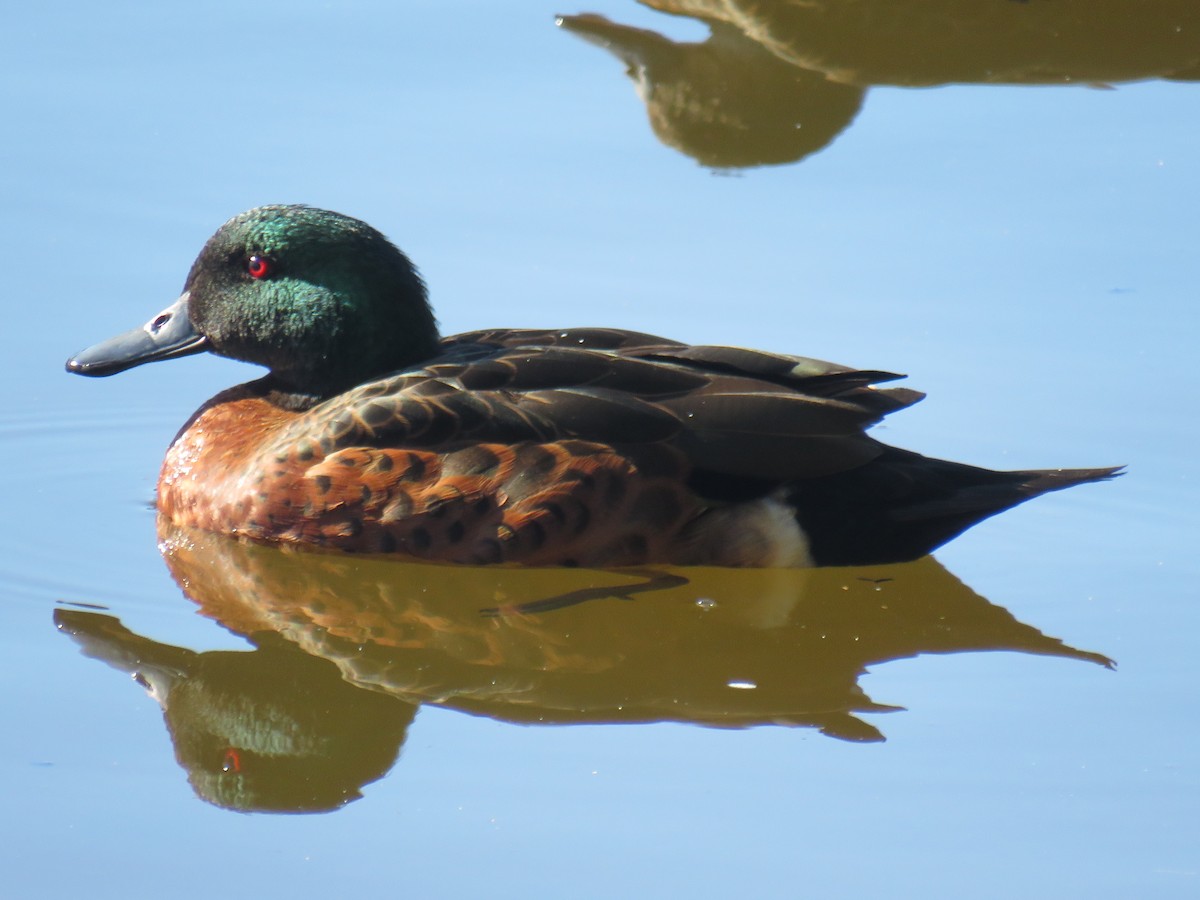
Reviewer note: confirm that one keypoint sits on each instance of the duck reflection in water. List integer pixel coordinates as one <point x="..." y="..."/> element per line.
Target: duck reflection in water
<point x="346" y="650"/>
<point x="777" y="81"/>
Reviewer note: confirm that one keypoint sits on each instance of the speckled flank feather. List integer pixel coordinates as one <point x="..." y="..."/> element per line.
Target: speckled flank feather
<point x="538" y="503"/>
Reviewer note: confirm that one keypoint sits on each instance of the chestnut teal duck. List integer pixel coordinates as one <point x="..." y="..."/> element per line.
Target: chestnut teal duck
<point x="582" y="446"/>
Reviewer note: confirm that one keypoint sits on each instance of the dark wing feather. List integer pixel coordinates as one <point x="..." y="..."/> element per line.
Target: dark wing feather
<point x="812" y="377"/>
<point x="582" y="338"/>
<point x="773" y="435"/>
<point x="743" y="413"/>
<point x="603" y="416"/>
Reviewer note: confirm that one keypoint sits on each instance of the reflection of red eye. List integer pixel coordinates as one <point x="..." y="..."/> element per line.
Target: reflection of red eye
<point x="232" y="762"/>
<point x="258" y="266"/>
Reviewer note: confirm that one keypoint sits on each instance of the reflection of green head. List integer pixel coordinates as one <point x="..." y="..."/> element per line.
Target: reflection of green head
<point x="277" y="730"/>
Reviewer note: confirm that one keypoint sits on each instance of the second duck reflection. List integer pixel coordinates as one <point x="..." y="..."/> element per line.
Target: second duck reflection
<point x="347" y="649"/>
<point x="777" y="81"/>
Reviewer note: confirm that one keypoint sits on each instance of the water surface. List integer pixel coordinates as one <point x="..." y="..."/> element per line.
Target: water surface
<point x="1008" y="218"/>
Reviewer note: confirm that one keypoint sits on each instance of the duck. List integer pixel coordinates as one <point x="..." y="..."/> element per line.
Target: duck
<point x="599" y="447"/>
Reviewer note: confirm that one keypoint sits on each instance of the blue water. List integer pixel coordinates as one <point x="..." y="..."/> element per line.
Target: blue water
<point x="1026" y="254"/>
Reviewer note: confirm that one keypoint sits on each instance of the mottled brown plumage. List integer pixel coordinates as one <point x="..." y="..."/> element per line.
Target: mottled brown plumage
<point x="496" y="452"/>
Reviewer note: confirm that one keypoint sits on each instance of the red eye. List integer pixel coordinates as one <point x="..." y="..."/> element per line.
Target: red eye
<point x="258" y="266"/>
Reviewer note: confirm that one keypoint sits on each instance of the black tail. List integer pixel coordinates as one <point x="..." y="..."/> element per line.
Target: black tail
<point x="902" y="505"/>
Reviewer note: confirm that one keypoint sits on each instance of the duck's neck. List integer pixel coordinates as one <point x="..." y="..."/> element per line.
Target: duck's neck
<point x="301" y="387"/>
<point x="288" y="396"/>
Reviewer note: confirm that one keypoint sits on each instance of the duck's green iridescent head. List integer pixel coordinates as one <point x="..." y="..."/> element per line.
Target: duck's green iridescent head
<point x="323" y="300"/>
